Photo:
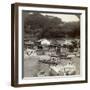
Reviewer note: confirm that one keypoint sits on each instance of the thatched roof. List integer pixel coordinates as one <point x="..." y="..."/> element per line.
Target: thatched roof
<point x="29" y="42"/>
<point x="44" y="42"/>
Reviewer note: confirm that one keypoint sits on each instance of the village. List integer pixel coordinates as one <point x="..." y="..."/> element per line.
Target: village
<point x="51" y="44"/>
<point x="47" y="57"/>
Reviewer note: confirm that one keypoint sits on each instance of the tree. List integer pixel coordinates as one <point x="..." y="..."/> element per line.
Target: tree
<point x="45" y="26"/>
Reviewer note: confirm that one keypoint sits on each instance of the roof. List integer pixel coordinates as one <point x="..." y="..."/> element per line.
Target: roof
<point x="44" y="42"/>
<point x="67" y="42"/>
<point x="29" y="42"/>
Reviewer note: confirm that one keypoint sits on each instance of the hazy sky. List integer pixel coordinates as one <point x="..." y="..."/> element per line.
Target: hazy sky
<point x="65" y="17"/>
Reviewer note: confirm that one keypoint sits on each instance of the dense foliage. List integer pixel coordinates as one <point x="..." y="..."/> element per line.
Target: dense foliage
<point x="44" y="26"/>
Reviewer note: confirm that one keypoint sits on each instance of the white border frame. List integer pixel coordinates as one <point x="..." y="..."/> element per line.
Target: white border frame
<point x="82" y="49"/>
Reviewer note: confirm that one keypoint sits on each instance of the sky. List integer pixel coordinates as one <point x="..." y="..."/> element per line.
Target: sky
<point x="65" y="17"/>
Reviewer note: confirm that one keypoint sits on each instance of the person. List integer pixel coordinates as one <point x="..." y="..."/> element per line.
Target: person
<point x="69" y="69"/>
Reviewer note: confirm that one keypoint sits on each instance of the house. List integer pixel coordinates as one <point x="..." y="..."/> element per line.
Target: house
<point x="44" y="42"/>
<point x="29" y="44"/>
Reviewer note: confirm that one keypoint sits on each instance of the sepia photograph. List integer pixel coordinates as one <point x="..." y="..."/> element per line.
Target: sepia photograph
<point x="49" y="44"/>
